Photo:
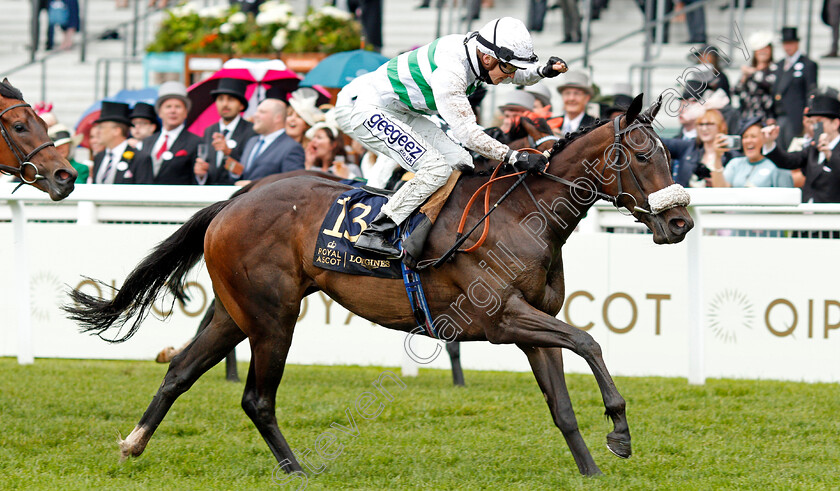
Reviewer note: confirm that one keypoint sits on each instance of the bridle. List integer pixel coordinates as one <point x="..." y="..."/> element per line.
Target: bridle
<point x="23" y="158"/>
<point x="653" y="204"/>
<point x="616" y="163"/>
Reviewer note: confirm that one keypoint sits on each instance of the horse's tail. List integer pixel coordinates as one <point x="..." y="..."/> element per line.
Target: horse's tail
<point x="166" y="266"/>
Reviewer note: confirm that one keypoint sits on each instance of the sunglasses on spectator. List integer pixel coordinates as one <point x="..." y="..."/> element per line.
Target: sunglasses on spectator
<point x="706" y="124"/>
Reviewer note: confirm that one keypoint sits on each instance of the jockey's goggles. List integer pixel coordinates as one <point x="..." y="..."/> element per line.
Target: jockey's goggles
<point x="507" y="68"/>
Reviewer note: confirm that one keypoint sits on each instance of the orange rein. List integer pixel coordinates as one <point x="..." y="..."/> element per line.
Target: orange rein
<point x="486" y="185"/>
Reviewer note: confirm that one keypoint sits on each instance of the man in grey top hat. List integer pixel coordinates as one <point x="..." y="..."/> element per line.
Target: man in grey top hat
<point x="168" y="156"/>
<point x="576" y="92"/>
<point x="516" y="103"/>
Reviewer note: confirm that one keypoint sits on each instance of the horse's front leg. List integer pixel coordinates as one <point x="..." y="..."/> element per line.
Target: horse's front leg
<point x="524" y="325"/>
<point x="547" y="365"/>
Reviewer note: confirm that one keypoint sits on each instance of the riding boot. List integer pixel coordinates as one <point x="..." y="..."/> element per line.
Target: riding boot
<point x="375" y="237"/>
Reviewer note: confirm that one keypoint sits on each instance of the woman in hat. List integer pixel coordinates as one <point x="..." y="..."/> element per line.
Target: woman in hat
<point x="753" y="170"/>
<point x="302" y="114"/>
<point x="66" y="143"/>
<point x="325" y="151"/>
<point x="755" y="89"/>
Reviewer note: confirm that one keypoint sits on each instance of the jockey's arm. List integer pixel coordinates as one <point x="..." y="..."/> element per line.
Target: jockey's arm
<point x="524" y="77"/>
<point x="451" y="99"/>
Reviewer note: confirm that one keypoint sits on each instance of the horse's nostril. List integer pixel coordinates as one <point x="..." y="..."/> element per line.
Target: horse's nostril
<point x="678" y="226"/>
<point x="62" y="175"/>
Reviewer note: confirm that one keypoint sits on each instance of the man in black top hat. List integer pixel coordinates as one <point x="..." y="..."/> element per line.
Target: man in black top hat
<point x="796" y="76"/>
<point x="227" y="137"/>
<point x="111" y="166"/>
<point x="144" y="123"/>
<point x="819" y="161"/>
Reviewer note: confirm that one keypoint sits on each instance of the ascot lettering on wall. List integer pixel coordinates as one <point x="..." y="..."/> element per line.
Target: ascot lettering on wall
<point x="605" y="310"/>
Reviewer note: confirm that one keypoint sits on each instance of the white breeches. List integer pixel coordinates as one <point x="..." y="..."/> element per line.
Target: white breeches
<point x="417" y="144"/>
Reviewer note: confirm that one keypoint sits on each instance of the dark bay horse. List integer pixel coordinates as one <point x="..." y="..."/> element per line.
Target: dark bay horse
<point x="259" y="247"/>
<point x="524" y="133"/>
<point x="26" y="150"/>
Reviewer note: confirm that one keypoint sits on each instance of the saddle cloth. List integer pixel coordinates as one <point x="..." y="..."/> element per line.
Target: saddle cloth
<point x="352" y="212"/>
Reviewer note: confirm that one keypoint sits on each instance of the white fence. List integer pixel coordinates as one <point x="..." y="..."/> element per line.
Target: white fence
<point x="716" y="305"/>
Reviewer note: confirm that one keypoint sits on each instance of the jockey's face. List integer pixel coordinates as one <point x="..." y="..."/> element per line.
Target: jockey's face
<point x="497" y="75"/>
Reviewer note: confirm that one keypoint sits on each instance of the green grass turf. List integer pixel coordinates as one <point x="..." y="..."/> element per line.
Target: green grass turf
<point x="59" y="420"/>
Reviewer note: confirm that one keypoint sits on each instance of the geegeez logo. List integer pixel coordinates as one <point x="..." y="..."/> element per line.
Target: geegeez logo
<point x="396" y="139"/>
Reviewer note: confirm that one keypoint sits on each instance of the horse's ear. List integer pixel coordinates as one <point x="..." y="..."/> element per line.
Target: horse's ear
<point x="634" y="109"/>
<point x="6" y="81"/>
<point x="652" y="110"/>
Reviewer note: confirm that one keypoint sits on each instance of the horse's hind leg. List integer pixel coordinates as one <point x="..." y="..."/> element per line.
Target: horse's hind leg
<point x="268" y="361"/>
<point x="231" y="372"/>
<point x="547" y="365"/>
<point x="205" y="351"/>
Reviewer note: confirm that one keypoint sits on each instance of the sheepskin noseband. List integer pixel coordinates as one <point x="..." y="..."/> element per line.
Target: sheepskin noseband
<point x="667" y="198"/>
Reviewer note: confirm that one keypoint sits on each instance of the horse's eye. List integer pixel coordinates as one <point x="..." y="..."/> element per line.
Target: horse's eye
<point x="641" y="157"/>
<point x="19" y="127"/>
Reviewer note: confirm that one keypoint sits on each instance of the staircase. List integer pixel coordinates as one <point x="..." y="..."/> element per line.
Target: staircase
<point x="71" y="83"/>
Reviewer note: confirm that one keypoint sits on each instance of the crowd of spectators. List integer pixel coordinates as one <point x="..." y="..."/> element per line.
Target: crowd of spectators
<point x="774" y="126"/>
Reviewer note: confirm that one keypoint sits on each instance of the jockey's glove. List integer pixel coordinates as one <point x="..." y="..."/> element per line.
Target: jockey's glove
<point x="548" y="70"/>
<point x="530" y="161"/>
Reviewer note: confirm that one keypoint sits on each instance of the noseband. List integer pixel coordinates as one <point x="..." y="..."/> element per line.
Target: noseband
<point x="23" y="158"/>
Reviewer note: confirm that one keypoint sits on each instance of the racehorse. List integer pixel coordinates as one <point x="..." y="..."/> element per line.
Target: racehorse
<point x="259" y="251"/>
<point x="523" y="133"/>
<point x="28" y="152"/>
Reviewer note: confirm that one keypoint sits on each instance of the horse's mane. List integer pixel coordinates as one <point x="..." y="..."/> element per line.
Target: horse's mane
<point x="10" y="92"/>
<point x="562" y="143"/>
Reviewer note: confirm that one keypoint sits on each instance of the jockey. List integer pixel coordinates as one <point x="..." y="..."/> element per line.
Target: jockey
<point x="386" y="111"/>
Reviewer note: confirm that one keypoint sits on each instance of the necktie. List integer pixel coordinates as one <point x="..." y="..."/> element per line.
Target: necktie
<point x="104" y="178"/>
<point x="254" y="154"/>
<point x="162" y="148"/>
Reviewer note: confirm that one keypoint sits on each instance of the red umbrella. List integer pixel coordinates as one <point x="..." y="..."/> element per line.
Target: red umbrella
<point x="263" y="75"/>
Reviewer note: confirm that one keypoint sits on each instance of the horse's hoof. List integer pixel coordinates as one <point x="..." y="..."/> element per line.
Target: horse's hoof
<point x="621" y="448"/>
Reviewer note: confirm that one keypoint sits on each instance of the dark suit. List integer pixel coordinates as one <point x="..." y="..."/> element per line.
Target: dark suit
<point x="282" y="155"/>
<point x="120" y="174"/>
<point x="790" y="96"/>
<point x="177" y="170"/>
<point x="585" y="122"/>
<point x="243" y="131"/>
<point x="822" y="181"/>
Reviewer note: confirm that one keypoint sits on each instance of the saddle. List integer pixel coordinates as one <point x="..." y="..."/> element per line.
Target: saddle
<point x="343" y="223"/>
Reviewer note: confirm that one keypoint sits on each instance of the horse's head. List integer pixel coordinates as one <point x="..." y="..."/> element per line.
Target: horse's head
<point x="27" y="151"/>
<point x="637" y="173"/>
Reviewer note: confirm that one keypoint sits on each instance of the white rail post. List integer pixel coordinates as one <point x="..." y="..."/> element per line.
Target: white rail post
<point x="696" y="341"/>
<point x="24" y="337"/>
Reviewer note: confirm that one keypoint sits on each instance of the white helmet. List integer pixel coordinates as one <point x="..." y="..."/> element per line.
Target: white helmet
<point x="507" y="39"/>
